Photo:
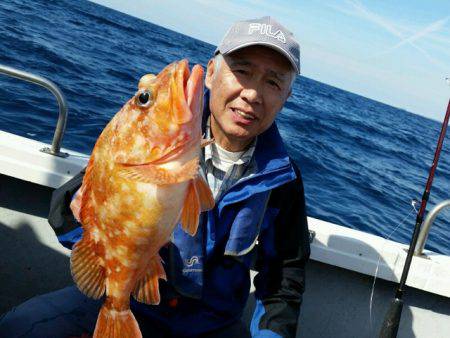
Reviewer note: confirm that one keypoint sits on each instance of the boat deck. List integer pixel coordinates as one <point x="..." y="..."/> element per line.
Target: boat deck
<point x="31" y="259"/>
<point x="336" y="303"/>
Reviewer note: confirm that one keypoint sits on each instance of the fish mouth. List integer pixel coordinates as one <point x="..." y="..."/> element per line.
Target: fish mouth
<point x="172" y="122"/>
<point x="187" y="104"/>
<point x="194" y="89"/>
<point x="187" y="92"/>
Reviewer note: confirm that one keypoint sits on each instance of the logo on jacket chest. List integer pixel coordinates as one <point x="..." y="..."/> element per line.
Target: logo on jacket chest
<point x="191" y="261"/>
<point x="192" y="264"/>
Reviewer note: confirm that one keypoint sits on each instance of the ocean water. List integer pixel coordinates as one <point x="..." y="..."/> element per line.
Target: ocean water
<point x="362" y="161"/>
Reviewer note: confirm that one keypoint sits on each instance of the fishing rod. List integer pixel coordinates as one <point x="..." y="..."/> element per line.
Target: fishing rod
<point x="392" y="318"/>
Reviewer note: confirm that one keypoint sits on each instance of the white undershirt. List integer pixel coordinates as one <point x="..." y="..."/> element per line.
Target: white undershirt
<point x="224" y="159"/>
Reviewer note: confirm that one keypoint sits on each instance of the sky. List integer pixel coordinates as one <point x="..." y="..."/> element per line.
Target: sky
<point x="396" y="52"/>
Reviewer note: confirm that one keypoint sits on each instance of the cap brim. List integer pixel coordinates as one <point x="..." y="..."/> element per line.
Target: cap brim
<point x="266" y="44"/>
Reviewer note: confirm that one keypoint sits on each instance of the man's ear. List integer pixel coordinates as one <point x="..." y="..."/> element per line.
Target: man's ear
<point x="209" y="73"/>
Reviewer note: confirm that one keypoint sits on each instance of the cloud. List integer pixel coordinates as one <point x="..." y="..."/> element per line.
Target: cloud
<point x="357" y="9"/>
<point x="433" y="27"/>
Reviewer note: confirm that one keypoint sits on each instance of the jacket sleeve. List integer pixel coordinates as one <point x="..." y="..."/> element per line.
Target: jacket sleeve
<point x="70" y="238"/>
<point x="283" y="251"/>
<point x="61" y="217"/>
<point x="74" y="233"/>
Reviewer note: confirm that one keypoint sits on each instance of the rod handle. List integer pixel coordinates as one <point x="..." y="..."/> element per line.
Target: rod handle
<point x="392" y="320"/>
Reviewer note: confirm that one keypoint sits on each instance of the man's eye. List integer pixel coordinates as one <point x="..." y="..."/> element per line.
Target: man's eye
<point x="241" y="71"/>
<point x="274" y="84"/>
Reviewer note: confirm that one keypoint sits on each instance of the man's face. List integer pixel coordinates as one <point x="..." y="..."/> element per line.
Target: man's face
<point x="247" y="90"/>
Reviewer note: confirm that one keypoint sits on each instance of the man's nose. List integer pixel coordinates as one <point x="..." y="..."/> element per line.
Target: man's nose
<point x="251" y="94"/>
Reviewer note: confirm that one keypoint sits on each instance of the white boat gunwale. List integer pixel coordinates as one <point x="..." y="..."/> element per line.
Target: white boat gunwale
<point x="332" y="244"/>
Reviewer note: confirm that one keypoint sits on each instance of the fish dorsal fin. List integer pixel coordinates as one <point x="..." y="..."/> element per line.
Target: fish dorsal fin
<point x="198" y="198"/>
<point x="150" y="173"/>
<point x="75" y="205"/>
<point x="87" y="268"/>
<point x="147" y="288"/>
<point x="86" y="210"/>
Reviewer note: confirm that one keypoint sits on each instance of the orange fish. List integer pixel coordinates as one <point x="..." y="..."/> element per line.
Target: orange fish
<point x="141" y="180"/>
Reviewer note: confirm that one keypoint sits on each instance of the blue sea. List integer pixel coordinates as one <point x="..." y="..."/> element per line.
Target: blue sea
<point x="362" y="161"/>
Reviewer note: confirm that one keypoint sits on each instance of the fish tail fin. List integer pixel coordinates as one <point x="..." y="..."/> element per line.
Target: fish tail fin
<point x="116" y="324"/>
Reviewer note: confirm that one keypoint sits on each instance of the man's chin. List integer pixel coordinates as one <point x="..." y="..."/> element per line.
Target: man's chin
<point x="239" y="136"/>
<point x="236" y="133"/>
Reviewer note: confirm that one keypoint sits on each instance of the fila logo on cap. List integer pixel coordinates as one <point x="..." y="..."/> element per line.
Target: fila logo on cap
<point x="266" y="29"/>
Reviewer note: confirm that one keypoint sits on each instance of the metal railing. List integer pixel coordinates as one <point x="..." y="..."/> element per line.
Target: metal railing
<point x="62" y="118"/>
<point x="423" y="235"/>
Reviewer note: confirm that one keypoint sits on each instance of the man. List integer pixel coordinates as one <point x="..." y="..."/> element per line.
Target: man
<point x="259" y="220"/>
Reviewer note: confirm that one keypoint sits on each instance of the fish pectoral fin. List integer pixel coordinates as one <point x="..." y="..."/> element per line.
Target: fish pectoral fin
<point x="150" y="173"/>
<point x="147" y="288"/>
<point x="204" y="194"/>
<point x="87" y="269"/>
<point x="198" y="198"/>
<point x="191" y="210"/>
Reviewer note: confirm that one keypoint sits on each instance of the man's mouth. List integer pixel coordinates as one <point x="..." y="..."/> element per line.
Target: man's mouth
<point x="243" y="114"/>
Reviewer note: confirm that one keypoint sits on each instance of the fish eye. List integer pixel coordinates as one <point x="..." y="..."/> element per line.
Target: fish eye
<point x="144" y="98"/>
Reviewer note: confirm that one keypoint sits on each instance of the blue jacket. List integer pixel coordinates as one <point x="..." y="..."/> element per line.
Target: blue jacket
<point x="208" y="274"/>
